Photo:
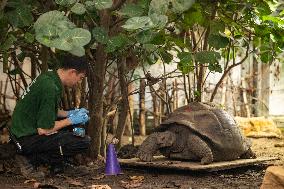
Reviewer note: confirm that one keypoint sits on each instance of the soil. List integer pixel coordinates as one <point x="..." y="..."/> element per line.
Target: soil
<point x="240" y="178"/>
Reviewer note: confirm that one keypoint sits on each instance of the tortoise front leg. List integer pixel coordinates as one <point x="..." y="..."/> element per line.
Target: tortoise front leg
<point x="200" y="149"/>
<point x="153" y="142"/>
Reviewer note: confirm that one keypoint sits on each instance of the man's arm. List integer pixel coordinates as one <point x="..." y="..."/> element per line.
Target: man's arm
<point x="57" y="126"/>
<point x="77" y="118"/>
<point x="62" y="113"/>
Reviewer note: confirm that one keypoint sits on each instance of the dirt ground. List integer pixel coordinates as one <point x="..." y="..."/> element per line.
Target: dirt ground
<point x="239" y="178"/>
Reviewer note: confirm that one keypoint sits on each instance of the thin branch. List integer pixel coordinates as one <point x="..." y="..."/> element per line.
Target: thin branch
<point x="226" y="72"/>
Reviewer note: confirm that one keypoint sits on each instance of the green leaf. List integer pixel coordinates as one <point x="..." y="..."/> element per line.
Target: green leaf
<point x="100" y="35"/>
<point x="49" y="18"/>
<point x="78" y="51"/>
<point x="177" y="41"/>
<point x="185" y="64"/>
<point x="65" y="2"/>
<point x="145" y="36"/>
<point x="116" y="43"/>
<point x="218" y="41"/>
<point x="60" y="43"/>
<point x="103" y="4"/>
<point x="152" y="59"/>
<point x="53" y="29"/>
<point x="194" y="16"/>
<point x="47" y="34"/>
<point x="263" y="8"/>
<point x="159" y="39"/>
<point x="132" y="10"/>
<point x="207" y="57"/>
<point x="78" y="8"/>
<point x="159" y="21"/>
<point x="197" y="94"/>
<point x="78" y="36"/>
<point x="144" y="3"/>
<point x="20" y="17"/>
<point x="8" y="42"/>
<point x="159" y="7"/>
<point x="166" y="57"/>
<point x="274" y="19"/>
<point x="216" y="27"/>
<point x="215" y="67"/>
<point x="134" y="23"/>
<point x="149" y="47"/>
<point x="29" y="38"/>
<point x="266" y="53"/>
<point x="149" y="60"/>
<point x="179" y="6"/>
<point x="90" y="5"/>
<point x="185" y="57"/>
<point x="266" y="57"/>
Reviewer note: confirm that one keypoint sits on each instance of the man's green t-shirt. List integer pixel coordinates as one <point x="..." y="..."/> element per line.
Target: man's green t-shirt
<point x="38" y="106"/>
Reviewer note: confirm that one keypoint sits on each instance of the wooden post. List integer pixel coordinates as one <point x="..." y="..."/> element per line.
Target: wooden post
<point x="244" y="93"/>
<point x="176" y="94"/>
<point x="155" y="109"/>
<point x="142" y="111"/>
<point x="172" y="97"/>
<point x="223" y="94"/>
<point x="162" y="103"/>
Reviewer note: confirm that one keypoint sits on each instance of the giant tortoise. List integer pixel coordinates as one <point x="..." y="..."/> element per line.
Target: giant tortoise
<point x="199" y="132"/>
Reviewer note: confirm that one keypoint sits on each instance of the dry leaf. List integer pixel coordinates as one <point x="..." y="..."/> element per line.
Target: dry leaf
<point x="130" y="184"/>
<point x="76" y="183"/>
<point x="99" y="177"/>
<point x="135" y="181"/>
<point x="100" y="187"/>
<point x="137" y="178"/>
<point x="29" y="181"/>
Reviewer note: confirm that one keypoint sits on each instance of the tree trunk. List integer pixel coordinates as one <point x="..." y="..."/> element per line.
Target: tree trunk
<point x="97" y="85"/>
<point x="129" y="123"/>
<point x="103" y="140"/>
<point x="124" y="105"/>
<point x="142" y="111"/>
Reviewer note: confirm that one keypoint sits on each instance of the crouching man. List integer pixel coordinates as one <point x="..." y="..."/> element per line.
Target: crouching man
<point x="35" y="125"/>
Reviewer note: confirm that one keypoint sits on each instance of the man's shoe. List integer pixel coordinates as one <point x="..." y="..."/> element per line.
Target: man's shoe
<point x="27" y="169"/>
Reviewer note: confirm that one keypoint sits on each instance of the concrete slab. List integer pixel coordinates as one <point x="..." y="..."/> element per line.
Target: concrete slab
<point x="164" y="163"/>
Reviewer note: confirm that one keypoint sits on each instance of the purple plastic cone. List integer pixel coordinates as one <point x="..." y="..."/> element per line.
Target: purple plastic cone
<point x="112" y="164"/>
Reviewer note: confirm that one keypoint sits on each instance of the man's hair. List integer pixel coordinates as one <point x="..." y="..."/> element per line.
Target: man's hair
<point x="69" y="61"/>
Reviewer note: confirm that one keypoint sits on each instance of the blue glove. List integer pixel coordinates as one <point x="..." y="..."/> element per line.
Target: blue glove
<point x="84" y="110"/>
<point x="72" y="112"/>
<point x="75" y="111"/>
<point x="78" y="118"/>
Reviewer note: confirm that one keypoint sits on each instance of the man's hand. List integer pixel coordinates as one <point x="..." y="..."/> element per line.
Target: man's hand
<point x="78" y="117"/>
